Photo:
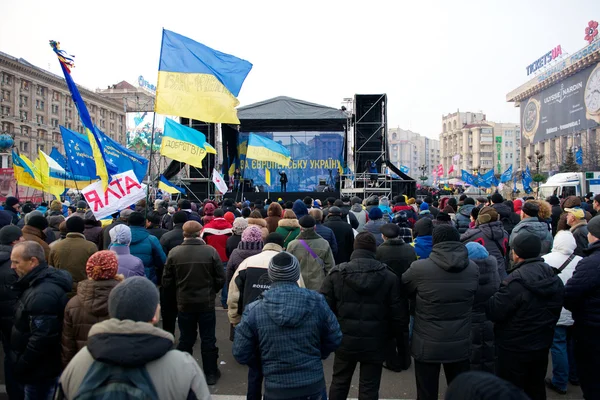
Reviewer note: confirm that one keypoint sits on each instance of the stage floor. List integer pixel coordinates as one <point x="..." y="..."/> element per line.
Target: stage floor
<point x="286" y="196"/>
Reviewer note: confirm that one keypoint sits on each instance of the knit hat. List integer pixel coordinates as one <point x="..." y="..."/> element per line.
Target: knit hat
<point x="486" y="215"/>
<point x="54" y="221"/>
<point x="553" y="200"/>
<point x="423" y="227"/>
<point x="307" y="222"/>
<point x="11" y="201"/>
<point x="527" y="245"/>
<point x="476" y="251"/>
<point x="56" y="206"/>
<point x="531" y="209"/>
<point x="275" y="238"/>
<point x="102" y="265"/>
<point x="593" y="226"/>
<point x="390" y="231"/>
<point x="443" y="216"/>
<point x="335" y="211"/>
<point x="356" y="200"/>
<point x="82" y="204"/>
<point x="577" y="212"/>
<point x="239" y="225"/>
<point x="284" y="267"/>
<point x="27" y="208"/>
<point x="209" y="209"/>
<point x="252" y="234"/>
<point x="229" y="217"/>
<point x="299" y="208"/>
<point x="497" y="198"/>
<point x="30" y="214"/>
<point x="120" y="234"/>
<point x="365" y="241"/>
<point x="135" y="298"/>
<point x="424" y="206"/>
<point x="75" y="224"/>
<point x="375" y="213"/>
<point x="445" y="233"/>
<point x="9" y="234"/>
<point x="191" y="228"/>
<point x="5" y="218"/>
<point x="469" y="200"/>
<point x="124" y="214"/>
<point x="38" y="221"/>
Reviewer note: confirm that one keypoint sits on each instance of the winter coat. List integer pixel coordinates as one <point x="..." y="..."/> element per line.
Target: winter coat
<point x="171" y="239"/>
<point x="289" y="229"/>
<point x="215" y="234"/>
<point x="563" y="247"/>
<point x="582" y="291"/>
<point x="482" y="329"/>
<point x="444" y="287"/>
<point x="93" y="233"/>
<point x="361" y="216"/>
<point x="494" y="238"/>
<point x="71" y="254"/>
<point x="233" y="242"/>
<point x="292" y="330"/>
<point x="14" y="215"/>
<point x="128" y="265"/>
<point x="397" y="255"/>
<point x="344" y="236"/>
<point x="35" y="337"/>
<point x="195" y="271"/>
<point x="250" y="280"/>
<point x="243" y="251"/>
<point x="31" y="233"/>
<point x="300" y="209"/>
<point x="374" y="227"/>
<point x="87" y="308"/>
<point x="313" y="269"/>
<point x="423" y="246"/>
<point x="273" y="217"/>
<point x="327" y="234"/>
<point x="262" y="211"/>
<point x="556" y="211"/>
<point x="174" y="374"/>
<point x="506" y="216"/>
<point x="526" y="308"/>
<point x="8" y="293"/>
<point x="365" y="295"/>
<point x="261" y="224"/>
<point x="463" y="218"/>
<point x="148" y="249"/>
<point x="534" y="226"/>
<point x="156" y="231"/>
<point x="580" y="232"/>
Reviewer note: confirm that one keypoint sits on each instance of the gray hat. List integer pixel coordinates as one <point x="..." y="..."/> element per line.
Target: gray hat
<point x="135" y="298"/>
<point x="82" y="204"/>
<point x="284" y="267"/>
<point x="593" y="227"/>
<point x="335" y="210"/>
<point x="124" y="214"/>
<point x="9" y="234"/>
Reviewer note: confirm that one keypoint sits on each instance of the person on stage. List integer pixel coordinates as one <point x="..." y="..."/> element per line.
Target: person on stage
<point x="236" y="179"/>
<point x="374" y="173"/>
<point x="283" y="180"/>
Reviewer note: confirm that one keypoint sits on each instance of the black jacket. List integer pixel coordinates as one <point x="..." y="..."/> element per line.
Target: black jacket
<point x="14" y="214"/>
<point x="582" y="292"/>
<point x="36" y="334"/>
<point x="444" y="287"/>
<point x="580" y="233"/>
<point x="556" y="211"/>
<point x="509" y="218"/>
<point x="343" y="235"/>
<point x="172" y="239"/>
<point x="156" y="231"/>
<point x="397" y="255"/>
<point x="494" y="238"/>
<point x="365" y="296"/>
<point x="8" y="294"/>
<point x="463" y="218"/>
<point x="527" y="307"/>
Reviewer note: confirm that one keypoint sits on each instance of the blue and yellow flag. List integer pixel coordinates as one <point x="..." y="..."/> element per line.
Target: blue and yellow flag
<point x="164" y="184"/>
<point x="268" y="176"/>
<point x="195" y="81"/>
<point x="264" y="149"/>
<point x="102" y="168"/>
<point x="24" y="175"/>
<point x="184" y="144"/>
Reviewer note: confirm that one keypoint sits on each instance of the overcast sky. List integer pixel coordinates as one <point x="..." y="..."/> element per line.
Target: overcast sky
<point x="430" y="57"/>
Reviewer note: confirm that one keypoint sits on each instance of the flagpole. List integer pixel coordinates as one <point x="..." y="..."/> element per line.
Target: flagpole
<point x="150" y="165"/>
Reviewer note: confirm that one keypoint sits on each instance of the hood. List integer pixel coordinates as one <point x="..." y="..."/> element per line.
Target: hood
<point x="466" y="210"/>
<point x="288" y="313"/>
<point x="94" y="295"/>
<point x="361" y="274"/>
<point x="476" y="251"/>
<point x="356" y="208"/>
<point x="534" y="226"/>
<point x="128" y="343"/>
<point x="450" y="256"/>
<point x="257" y="221"/>
<point x="564" y="243"/>
<point x="218" y="223"/>
<point x="503" y="210"/>
<point x="537" y="277"/>
<point x="288" y="223"/>
<point x="209" y="209"/>
<point x="138" y="234"/>
<point x="493" y="230"/>
<point x="299" y="208"/>
<point x="384" y="202"/>
<point x="5" y="251"/>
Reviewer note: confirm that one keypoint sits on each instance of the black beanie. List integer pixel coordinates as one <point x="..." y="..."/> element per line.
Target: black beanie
<point x="38" y="221"/>
<point x="445" y="233"/>
<point x="275" y="238"/>
<point x="527" y="245"/>
<point x="497" y="198"/>
<point x="75" y="224"/>
<point x="531" y="209"/>
<point x="423" y="227"/>
<point x="469" y="200"/>
<point x="365" y="241"/>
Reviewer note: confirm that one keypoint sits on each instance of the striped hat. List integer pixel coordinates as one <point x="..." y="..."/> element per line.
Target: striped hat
<point x="284" y="267"/>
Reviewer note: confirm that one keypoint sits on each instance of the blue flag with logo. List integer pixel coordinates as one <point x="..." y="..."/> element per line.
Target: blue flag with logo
<point x="579" y="156"/>
<point x="468" y="178"/>
<point x="495" y="181"/>
<point x="527" y="180"/>
<point x="58" y="157"/>
<point x="485" y="180"/>
<point x="506" y="175"/>
<point x="404" y="169"/>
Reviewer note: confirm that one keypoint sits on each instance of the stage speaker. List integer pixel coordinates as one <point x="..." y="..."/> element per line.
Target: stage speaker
<point x="369" y="130"/>
<point x="199" y="190"/>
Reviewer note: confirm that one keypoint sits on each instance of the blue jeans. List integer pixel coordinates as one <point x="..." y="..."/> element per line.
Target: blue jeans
<point x="563" y="361"/>
<point x="41" y="391"/>
<point x="225" y="291"/>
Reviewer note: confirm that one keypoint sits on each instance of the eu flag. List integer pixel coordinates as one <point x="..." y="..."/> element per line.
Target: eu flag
<point x="579" y="156"/>
<point x="468" y="178"/>
<point x="506" y="175"/>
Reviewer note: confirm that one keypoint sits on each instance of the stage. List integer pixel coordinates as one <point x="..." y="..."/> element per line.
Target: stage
<point x="286" y="196"/>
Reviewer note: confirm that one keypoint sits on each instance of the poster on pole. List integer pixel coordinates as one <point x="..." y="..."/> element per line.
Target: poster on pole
<point x="122" y="191"/>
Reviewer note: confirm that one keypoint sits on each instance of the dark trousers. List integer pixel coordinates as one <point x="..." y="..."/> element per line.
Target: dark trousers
<point x="368" y="384"/>
<point x="41" y="391"/>
<point x="284" y="186"/>
<point x="587" y="357"/>
<point x="428" y="376"/>
<point x="168" y="309"/>
<point x="255" y="381"/>
<point x="526" y="370"/>
<point x="189" y="324"/>
<point x="397" y="356"/>
<point x="322" y="395"/>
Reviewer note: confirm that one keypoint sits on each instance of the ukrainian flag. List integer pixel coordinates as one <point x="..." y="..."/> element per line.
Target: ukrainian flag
<point x="264" y="149"/>
<point x="164" y="184"/>
<point x="184" y="144"/>
<point x="23" y="173"/>
<point x="268" y="176"/>
<point x="195" y="81"/>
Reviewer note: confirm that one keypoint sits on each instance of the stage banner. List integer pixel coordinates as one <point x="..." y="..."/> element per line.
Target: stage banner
<point x="123" y="191"/>
<point x="570" y="106"/>
<point x="316" y="159"/>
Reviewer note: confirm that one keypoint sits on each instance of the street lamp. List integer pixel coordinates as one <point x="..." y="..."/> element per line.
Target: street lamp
<point x="423" y="177"/>
<point x="537" y="157"/>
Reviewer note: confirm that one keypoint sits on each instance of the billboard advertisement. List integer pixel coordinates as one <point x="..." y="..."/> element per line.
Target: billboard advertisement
<point x="139" y="129"/>
<point x="570" y="106"/>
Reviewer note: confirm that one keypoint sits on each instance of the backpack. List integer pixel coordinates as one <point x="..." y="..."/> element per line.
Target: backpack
<point x="105" y="381"/>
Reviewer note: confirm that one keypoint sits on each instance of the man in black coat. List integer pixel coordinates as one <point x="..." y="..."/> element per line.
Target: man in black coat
<point x="13" y="206"/>
<point x="582" y="298"/>
<point x="443" y="287"/>
<point x="35" y="356"/>
<point x="323" y="231"/>
<point x="153" y="225"/>
<point x="365" y="296"/>
<point x="398" y="256"/>
<point x="343" y="234"/>
<point x="556" y="211"/>
<point x="283" y="180"/>
<point x="525" y="311"/>
<point x="174" y="237"/>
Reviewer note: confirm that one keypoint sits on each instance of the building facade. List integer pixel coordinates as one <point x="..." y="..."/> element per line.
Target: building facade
<point x="412" y="150"/>
<point x="35" y="102"/>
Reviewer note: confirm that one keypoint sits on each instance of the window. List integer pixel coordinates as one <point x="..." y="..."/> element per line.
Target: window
<point x="55" y="96"/>
<point x="25" y="85"/>
<point x="68" y="125"/>
<point x="6" y="78"/>
<point x="55" y="122"/>
<point x="120" y="129"/>
<point x="102" y="125"/>
<point x="112" y="126"/>
<point x="54" y="109"/>
<point x="40" y="119"/>
<point x="41" y="91"/>
<point x="24" y="101"/>
<point x="23" y="115"/>
<point x="25" y="130"/>
<point x="39" y="105"/>
<point x="24" y="146"/>
<point x="5" y="94"/>
<point x="7" y="127"/>
<point x="5" y="110"/>
<point x="94" y="120"/>
<point x="102" y="112"/>
<point x="112" y="115"/>
<point x="40" y="147"/>
<point x="68" y="113"/>
<point x="41" y="134"/>
<point x="56" y="137"/>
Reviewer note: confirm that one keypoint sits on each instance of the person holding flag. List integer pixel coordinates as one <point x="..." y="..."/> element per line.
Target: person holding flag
<point x="283" y="180"/>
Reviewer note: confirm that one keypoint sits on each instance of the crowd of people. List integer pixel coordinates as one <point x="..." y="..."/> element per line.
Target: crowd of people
<point x="485" y="287"/>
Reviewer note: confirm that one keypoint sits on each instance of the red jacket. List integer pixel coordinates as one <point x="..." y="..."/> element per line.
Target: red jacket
<point x="215" y="234"/>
